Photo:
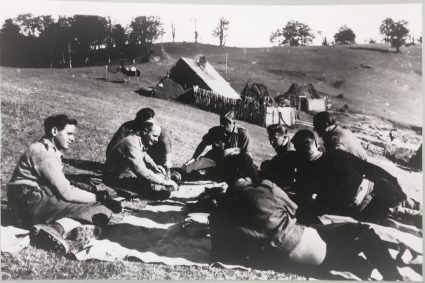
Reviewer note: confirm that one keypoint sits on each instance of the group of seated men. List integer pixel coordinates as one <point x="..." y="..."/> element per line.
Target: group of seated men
<point x="273" y="209"/>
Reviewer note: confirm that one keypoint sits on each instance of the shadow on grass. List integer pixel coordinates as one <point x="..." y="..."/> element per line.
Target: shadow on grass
<point x="111" y="81"/>
<point x="145" y="91"/>
<point x="372" y="49"/>
<point x="88" y="165"/>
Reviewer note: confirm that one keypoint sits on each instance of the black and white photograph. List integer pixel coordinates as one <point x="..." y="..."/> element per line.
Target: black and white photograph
<point x="211" y="140"/>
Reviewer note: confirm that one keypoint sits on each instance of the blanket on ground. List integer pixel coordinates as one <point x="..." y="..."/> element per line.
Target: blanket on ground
<point x="164" y="232"/>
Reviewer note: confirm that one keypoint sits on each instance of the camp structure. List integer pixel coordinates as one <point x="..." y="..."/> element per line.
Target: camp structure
<point x="197" y="82"/>
<point x="303" y="97"/>
<point x="258" y="106"/>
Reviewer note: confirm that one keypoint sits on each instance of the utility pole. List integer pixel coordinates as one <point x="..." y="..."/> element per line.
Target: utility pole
<point x="196" y="31"/>
<point x="69" y="54"/>
<point x="226" y="66"/>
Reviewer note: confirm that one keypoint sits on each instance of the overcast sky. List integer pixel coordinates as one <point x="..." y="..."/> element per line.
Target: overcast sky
<point x="250" y="25"/>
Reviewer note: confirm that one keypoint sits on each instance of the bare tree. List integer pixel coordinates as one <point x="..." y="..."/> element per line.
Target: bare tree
<point x="196" y="31"/>
<point x="173" y="31"/>
<point x="220" y="30"/>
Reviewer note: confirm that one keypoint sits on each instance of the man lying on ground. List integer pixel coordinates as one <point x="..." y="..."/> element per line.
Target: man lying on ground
<point x="255" y="221"/>
<point x="280" y="169"/>
<point x="43" y="198"/>
<point x="130" y="167"/>
<point x="160" y="152"/>
<point x="226" y="140"/>
<point x="335" y="137"/>
<point x="347" y="185"/>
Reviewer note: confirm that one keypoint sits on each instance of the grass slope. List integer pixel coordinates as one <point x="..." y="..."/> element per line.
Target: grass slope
<point x="371" y="79"/>
<point x="30" y="95"/>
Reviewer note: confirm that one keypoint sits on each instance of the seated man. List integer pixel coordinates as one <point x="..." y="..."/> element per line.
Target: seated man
<point x="160" y="152"/>
<point x="40" y="194"/>
<point x="280" y="168"/>
<point x="227" y="139"/>
<point x="129" y="166"/>
<point x="255" y="222"/>
<point x="335" y="137"/>
<point x="343" y="183"/>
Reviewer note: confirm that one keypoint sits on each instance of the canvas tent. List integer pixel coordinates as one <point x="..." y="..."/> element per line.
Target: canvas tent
<point x="190" y="72"/>
<point x="303" y="97"/>
<point x="258" y="92"/>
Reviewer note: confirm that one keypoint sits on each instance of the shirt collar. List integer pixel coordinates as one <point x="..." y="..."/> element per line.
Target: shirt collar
<point x="49" y="145"/>
<point x="331" y="128"/>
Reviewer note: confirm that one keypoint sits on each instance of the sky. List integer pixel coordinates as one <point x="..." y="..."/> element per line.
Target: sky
<point x="250" y="25"/>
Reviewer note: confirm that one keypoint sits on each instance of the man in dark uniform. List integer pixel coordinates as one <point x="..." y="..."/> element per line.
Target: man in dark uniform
<point x="335" y="137"/>
<point x="160" y="152"/>
<point x="255" y="222"/>
<point x="342" y="183"/>
<point x="280" y="168"/>
<point x="226" y="140"/>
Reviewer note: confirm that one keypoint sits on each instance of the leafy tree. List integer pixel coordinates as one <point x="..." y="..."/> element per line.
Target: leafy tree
<point x="294" y="34"/>
<point x="54" y="41"/>
<point x="220" y="30"/>
<point x="119" y="39"/>
<point x="89" y="33"/>
<point x="345" y="35"/>
<point x="29" y="24"/>
<point x="394" y="32"/>
<point x="144" y="30"/>
<point x="385" y="29"/>
<point x="10" y="40"/>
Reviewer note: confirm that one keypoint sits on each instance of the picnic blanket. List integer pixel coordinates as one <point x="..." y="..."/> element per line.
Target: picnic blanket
<point x="165" y="232"/>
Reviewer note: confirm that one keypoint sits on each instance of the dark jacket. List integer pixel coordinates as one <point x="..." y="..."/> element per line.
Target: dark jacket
<point x="281" y="168"/>
<point x="255" y="216"/>
<point x="335" y="178"/>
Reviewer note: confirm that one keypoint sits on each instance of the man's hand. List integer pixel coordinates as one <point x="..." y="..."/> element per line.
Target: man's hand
<point x="104" y="198"/>
<point x="231" y="151"/>
<point x="189" y="161"/>
<point x="171" y="185"/>
<point x="160" y="169"/>
<point x="168" y="164"/>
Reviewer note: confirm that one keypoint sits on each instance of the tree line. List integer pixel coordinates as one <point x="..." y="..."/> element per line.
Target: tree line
<point x="83" y="40"/>
<point x="295" y="33"/>
<point x="40" y="41"/>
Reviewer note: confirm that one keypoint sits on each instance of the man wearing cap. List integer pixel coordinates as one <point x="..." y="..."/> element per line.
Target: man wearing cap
<point x="280" y="168"/>
<point x="343" y="183"/>
<point x="129" y="166"/>
<point x="254" y="222"/>
<point x="226" y="140"/>
<point x="44" y="200"/>
<point x="335" y="137"/>
<point x="160" y="152"/>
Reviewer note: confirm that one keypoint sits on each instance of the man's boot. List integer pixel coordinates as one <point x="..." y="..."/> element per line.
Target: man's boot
<point x="48" y="237"/>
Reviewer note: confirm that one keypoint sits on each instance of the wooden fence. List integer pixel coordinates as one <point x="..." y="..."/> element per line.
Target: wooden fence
<point x="246" y="110"/>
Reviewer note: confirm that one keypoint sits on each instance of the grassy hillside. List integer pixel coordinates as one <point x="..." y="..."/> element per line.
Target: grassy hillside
<point x="30" y="95"/>
<point x="371" y="79"/>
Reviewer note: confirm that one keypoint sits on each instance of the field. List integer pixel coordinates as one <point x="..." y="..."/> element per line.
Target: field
<point x="30" y="95"/>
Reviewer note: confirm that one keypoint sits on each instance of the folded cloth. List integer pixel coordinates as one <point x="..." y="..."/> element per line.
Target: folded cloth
<point x="14" y="239"/>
